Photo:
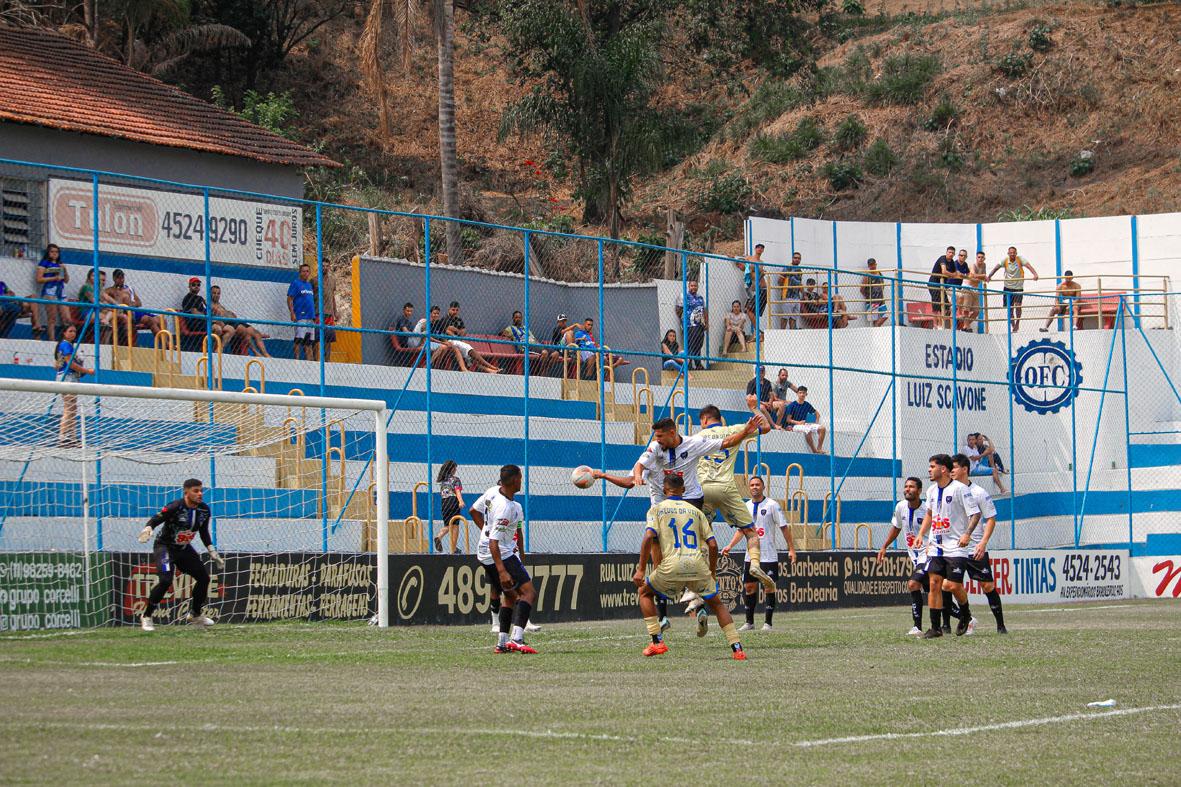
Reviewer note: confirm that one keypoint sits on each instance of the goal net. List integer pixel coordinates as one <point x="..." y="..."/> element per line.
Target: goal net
<point x="298" y="489"/>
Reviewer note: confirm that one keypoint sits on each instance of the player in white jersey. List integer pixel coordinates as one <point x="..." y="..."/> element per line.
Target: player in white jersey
<point x="952" y="515"/>
<point x="497" y="553"/>
<point x="979" y="567"/>
<point x="670" y="454"/>
<point x="767" y="517"/>
<point x="479" y="513"/>
<point x="908" y="519"/>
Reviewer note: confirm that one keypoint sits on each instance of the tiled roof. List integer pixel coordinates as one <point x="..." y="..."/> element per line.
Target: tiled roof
<point x="49" y="80"/>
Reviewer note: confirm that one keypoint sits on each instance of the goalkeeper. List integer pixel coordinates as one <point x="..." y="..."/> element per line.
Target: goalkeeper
<point x="180" y="522"/>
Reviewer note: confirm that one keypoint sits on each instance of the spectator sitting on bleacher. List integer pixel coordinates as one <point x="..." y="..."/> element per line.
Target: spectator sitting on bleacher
<point x="11" y="311"/>
<point x="52" y="278"/>
<point x="405" y="345"/>
<point x="122" y="293"/>
<point x="737" y="324"/>
<point x="811" y="307"/>
<point x="453" y="324"/>
<point x="796" y="418"/>
<point x="873" y="293"/>
<point x="519" y="333"/>
<point x="1068" y="289"/>
<point x="671" y="358"/>
<point x="760" y="396"/>
<point x="248" y="337"/>
<point x="439" y="349"/>
<point x="466" y="357"/>
<point x="985" y="460"/>
<point x="833" y="301"/>
<point x="87" y="293"/>
<point x="193" y="303"/>
<point x="779" y="393"/>
<point x="583" y="337"/>
<point x="301" y="306"/>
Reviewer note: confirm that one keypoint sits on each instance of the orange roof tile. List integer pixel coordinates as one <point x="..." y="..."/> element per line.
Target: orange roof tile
<point x="49" y="80"/>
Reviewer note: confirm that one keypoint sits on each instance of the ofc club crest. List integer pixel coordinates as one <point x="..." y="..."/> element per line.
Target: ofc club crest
<point x="1045" y="376"/>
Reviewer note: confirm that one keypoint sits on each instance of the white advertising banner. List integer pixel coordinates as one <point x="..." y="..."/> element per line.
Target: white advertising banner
<point x="1044" y="576"/>
<point x="173" y="225"/>
<point x="1156" y="577"/>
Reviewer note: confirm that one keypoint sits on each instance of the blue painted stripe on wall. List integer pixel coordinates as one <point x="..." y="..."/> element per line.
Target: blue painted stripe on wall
<point x="219" y="270"/>
<point x="1163" y="455"/>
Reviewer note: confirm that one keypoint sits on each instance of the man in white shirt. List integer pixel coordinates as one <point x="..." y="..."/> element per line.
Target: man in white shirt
<point x="952" y="515"/>
<point x="479" y="514"/>
<point x="497" y="553"/>
<point x="767" y="516"/>
<point x="908" y="519"/>
<point x="979" y="567"/>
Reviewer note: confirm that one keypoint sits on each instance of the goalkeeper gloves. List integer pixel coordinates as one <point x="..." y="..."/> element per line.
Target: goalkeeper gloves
<point x="145" y="534"/>
<point x="216" y="557"/>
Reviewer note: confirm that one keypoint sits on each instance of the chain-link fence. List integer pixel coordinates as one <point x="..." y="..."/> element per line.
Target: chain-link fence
<point x="551" y="350"/>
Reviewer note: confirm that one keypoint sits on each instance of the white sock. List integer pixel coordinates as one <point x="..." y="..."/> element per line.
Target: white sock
<point x="518" y="634"/>
<point x="501" y="638"/>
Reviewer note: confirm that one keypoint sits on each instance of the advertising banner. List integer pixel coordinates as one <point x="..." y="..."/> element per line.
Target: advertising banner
<point x="173" y="225"/>
<point x="49" y="591"/>
<point x="1156" y="577"/>
<point x="1038" y="576"/>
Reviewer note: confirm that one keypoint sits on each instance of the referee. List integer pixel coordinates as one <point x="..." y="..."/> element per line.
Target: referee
<point x="180" y="522"/>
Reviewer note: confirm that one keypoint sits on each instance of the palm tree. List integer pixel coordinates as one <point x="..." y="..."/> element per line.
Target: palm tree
<point x="404" y="13"/>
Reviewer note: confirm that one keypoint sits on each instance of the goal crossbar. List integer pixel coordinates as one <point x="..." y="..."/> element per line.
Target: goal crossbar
<point x="375" y="406"/>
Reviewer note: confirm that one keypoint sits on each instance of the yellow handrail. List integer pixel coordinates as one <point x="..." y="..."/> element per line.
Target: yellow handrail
<point x="836" y="543"/>
<point x="641" y="423"/>
<point x="262" y="375"/>
<point x="414" y="497"/>
<point x="787" y="478"/>
<point x="217" y="349"/>
<point x="412" y="524"/>
<point x="672" y="400"/>
<point x="339" y="423"/>
<point x="798" y="503"/>
<point x="688" y="425"/>
<point x="303" y="411"/>
<point x="638" y="372"/>
<point x="288" y="445"/>
<point x="868" y="535"/>
<point x="162" y="344"/>
<point x="460" y="520"/>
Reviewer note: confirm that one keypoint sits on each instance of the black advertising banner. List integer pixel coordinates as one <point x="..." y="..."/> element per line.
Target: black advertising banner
<point x="453" y="589"/>
<point x="255" y="587"/>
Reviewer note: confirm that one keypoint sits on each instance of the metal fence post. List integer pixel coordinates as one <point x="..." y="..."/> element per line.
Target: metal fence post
<point x="525" y="457"/>
<point x="1123" y="337"/>
<point x="1012" y="448"/>
<point x="1073" y="431"/>
<point x="603" y="423"/>
<point x="209" y="360"/>
<point x="832" y="427"/>
<point x="428" y="354"/>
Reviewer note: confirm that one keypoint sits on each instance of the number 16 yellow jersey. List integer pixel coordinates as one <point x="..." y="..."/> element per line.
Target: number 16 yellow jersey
<point x="683" y="534"/>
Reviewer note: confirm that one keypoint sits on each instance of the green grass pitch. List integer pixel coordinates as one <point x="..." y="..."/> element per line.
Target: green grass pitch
<point x="333" y="702"/>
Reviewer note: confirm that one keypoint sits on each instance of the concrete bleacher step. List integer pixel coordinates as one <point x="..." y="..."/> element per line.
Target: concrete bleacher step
<point x="134" y="359"/>
<point x="727" y="379"/>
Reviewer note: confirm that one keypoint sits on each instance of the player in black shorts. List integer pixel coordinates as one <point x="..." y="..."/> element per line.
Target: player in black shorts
<point x="180" y="522"/>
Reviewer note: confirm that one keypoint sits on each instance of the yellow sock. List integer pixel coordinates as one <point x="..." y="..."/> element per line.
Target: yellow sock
<point x="653" y="625"/>
<point x="754" y="550"/>
<point x="731" y="633"/>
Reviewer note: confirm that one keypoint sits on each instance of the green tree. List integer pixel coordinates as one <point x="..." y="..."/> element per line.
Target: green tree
<point x="594" y="67"/>
<point x="771" y="34"/>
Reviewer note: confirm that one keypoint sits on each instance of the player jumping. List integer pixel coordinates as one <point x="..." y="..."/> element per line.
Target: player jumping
<point x="182" y="521"/>
<point x="952" y="515"/>
<point x="767" y="516"/>
<point x="670" y="454"/>
<point x="908" y="519"/>
<point x="681" y="535"/>
<point x="979" y="567"/>
<point x="497" y="553"/>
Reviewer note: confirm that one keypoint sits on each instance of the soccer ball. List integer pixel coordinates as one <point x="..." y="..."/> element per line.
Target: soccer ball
<point x="581" y="477"/>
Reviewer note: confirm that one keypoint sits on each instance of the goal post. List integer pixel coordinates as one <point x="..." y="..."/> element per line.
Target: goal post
<point x="298" y="487"/>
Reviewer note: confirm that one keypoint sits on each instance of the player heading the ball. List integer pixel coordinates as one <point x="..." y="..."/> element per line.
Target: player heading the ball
<point x="677" y="539"/>
<point x="181" y="521"/>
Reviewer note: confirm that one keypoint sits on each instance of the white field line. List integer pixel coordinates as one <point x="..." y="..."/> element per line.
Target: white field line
<point x="401" y="731"/>
<point x="1082" y="609"/>
<point x="58" y="663"/>
<point x="1005" y="725"/>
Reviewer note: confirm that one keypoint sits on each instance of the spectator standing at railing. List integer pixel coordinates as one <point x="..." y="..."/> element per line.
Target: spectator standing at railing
<point x="698" y="324"/>
<point x="755" y="284"/>
<point x="1014" y="267"/>
<point x="970" y="292"/>
<point x="953" y="294"/>
<point x="1068" y="289"/>
<point x="943" y="268"/>
<point x="70" y="367"/>
<point x="873" y="294"/>
<point x="328" y="318"/>
<point x="451" y="499"/>
<point x="791" y="293"/>
<point x="301" y="306"/>
<point x="52" y="278"/>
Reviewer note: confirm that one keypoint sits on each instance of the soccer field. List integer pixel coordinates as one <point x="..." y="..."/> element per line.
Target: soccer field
<point x="829" y="697"/>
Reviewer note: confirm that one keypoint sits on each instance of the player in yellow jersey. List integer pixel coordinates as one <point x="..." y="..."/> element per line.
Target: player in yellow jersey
<point x="681" y="544"/>
<point x="721" y="495"/>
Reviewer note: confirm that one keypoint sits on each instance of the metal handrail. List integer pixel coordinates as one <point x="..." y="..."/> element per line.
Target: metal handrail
<point x="687" y="428"/>
<point x="262" y="375"/>
<point x="303" y="411"/>
<point x="836" y="543"/>
<point x="414" y="497"/>
<point x="798" y="504"/>
<point x="787" y="478"/>
<point x="641" y="426"/>
<point x="868" y="535"/>
<point x="205" y="354"/>
<point x="162" y="344"/>
<point x="410" y="523"/>
<point x="460" y="519"/>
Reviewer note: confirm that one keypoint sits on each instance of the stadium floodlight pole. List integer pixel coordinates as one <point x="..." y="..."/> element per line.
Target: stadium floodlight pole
<point x="832" y="427"/>
<point x="426" y="256"/>
<point x="1123" y="338"/>
<point x="382" y="514"/>
<point x="208" y="252"/>
<point x="525" y="316"/>
<point x="602" y="405"/>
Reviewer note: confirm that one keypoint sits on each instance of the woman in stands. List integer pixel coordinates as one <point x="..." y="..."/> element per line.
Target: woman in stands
<point x="52" y="278"/>
<point x="673" y="361"/>
<point x="451" y="492"/>
<point x="70" y="367"/>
